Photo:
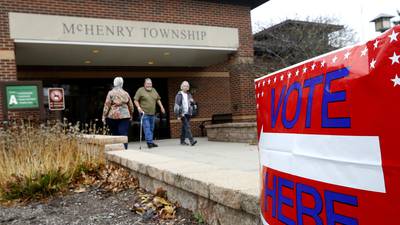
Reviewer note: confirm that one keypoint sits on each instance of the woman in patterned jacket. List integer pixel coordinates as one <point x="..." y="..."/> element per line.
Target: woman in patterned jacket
<point x="118" y="109"/>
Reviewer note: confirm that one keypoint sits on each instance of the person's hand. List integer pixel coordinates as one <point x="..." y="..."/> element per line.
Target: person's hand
<point x="162" y="110"/>
<point x="103" y="120"/>
<point x="140" y="110"/>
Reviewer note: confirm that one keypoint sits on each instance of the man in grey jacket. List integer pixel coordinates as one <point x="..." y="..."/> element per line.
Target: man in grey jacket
<point x="183" y="109"/>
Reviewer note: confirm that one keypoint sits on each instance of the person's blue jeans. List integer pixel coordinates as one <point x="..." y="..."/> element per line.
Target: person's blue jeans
<point x="148" y="127"/>
<point x="185" y="130"/>
<point x="119" y="127"/>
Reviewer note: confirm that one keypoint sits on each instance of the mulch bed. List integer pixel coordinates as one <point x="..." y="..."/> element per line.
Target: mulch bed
<point x="109" y="197"/>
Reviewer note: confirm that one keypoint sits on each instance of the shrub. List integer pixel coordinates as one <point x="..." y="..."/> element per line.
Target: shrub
<point x="40" y="160"/>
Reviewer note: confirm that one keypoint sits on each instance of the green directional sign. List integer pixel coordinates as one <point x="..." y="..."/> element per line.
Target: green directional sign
<point x="22" y="97"/>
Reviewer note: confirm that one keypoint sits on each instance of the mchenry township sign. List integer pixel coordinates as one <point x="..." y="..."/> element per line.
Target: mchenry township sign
<point x="128" y="31"/>
<point x="49" y="28"/>
<point x="22" y="97"/>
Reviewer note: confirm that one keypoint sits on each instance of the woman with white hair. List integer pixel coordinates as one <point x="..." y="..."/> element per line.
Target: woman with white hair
<point x="183" y="109"/>
<point x="118" y="109"/>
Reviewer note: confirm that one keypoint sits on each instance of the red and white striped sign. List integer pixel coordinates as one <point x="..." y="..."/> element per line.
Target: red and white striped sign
<point x="329" y="137"/>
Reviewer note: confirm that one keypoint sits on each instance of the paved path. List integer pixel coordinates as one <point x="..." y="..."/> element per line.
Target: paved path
<point x="225" y="155"/>
<point x="229" y="165"/>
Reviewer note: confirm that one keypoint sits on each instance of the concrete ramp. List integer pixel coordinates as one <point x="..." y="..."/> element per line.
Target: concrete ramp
<point x="216" y="179"/>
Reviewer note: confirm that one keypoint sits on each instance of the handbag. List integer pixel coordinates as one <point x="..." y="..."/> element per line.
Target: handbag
<point x="195" y="108"/>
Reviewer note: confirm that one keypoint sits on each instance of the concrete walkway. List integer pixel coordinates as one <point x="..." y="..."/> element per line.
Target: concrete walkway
<point x="224" y="155"/>
<point x="220" y="173"/>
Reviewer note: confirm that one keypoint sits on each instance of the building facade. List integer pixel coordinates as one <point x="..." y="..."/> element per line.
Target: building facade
<point x="82" y="45"/>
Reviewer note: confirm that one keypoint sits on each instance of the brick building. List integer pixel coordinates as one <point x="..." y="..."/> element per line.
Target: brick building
<point x="82" y="45"/>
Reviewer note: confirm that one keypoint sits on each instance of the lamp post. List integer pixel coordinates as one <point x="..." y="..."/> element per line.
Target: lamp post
<point x="382" y="22"/>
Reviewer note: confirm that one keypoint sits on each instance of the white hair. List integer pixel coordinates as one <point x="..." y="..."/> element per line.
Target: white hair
<point x="184" y="83"/>
<point x="147" y="80"/>
<point x="118" y="82"/>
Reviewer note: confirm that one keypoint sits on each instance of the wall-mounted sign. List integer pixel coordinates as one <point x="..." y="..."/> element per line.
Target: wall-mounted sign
<point x="56" y="99"/>
<point x="45" y="28"/>
<point x="22" y="97"/>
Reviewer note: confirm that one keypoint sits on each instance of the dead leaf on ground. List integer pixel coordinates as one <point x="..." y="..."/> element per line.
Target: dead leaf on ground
<point x="147" y="202"/>
<point x="114" y="179"/>
<point x="168" y="212"/>
<point x="80" y="190"/>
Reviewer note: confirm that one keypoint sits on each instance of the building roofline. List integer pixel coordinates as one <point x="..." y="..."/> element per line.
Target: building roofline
<point x="251" y="3"/>
<point x="332" y="27"/>
<point x="382" y="15"/>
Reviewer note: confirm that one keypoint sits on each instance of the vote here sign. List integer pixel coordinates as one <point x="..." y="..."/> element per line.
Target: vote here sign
<point x="329" y="137"/>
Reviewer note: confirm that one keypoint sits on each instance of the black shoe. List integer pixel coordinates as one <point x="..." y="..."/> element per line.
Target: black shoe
<point x="154" y="145"/>
<point x="150" y="145"/>
<point x="193" y="143"/>
<point x="184" y="143"/>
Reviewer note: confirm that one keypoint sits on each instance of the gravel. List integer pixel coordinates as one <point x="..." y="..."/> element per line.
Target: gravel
<point x="90" y="207"/>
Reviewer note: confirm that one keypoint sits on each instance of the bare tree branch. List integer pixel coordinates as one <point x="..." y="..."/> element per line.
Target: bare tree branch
<point x="293" y="41"/>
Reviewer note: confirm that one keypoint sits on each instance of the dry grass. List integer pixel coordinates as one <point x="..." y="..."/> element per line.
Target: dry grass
<point x="36" y="161"/>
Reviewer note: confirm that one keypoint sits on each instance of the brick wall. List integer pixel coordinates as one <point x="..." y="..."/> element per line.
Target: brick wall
<point x="169" y="11"/>
<point x="176" y="129"/>
<point x="242" y="90"/>
<point x="28" y="115"/>
<point x="211" y="93"/>
<point x="1" y="106"/>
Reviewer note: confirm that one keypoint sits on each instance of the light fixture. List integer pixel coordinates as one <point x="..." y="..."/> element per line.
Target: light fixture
<point x="95" y="51"/>
<point x="167" y="53"/>
<point x="150" y="62"/>
<point x="382" y="22"/>
<point x="87" y="61"/>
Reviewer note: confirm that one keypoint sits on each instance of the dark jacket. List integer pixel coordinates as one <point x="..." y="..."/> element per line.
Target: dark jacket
<point x="178" y="107"/>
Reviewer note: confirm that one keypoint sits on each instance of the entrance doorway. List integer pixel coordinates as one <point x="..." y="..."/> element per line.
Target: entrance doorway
<point x="84" y="101"/>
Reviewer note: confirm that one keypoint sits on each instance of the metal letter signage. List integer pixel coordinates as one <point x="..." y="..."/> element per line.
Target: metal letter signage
<point x="68" y="29"/>
<point x="329" y="137"/>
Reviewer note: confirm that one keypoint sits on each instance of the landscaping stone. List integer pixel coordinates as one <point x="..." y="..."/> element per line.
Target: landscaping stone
<point x="245" y="132"/>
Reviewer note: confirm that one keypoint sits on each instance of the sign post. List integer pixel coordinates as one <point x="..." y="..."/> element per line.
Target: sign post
<point x="328" y="133"/>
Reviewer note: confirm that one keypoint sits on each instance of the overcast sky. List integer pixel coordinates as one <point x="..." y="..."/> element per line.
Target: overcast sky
<point x="354" y="13"/>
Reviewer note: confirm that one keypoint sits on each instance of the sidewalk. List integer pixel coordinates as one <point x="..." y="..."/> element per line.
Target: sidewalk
<point x="219" y="154"/>
<point x="218" y="179"/>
